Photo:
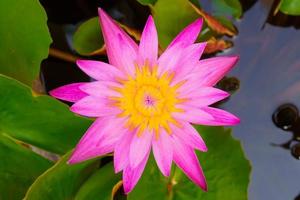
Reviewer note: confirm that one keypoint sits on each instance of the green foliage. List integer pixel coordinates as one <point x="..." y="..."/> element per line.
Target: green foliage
<point x="61" y="181"/>
<point x="290" y="7"/>
<point x="227" y="7"/>
<point x="24" y="37"/>
<point x="80" y="182"/>
<point x="19" y="167"/>
<point x="41" y="121"/>
<point x="170" y="24"/>
<point x="88" y="37"/>
<point x="99" y="185"/>
<point x="226" y="169"/>
<point x="147" y="2"/>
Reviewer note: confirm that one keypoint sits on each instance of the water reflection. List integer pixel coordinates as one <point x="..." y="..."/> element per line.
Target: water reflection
<point x="269" y="72"/>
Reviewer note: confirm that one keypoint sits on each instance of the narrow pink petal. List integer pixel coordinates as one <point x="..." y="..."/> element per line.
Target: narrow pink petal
<point x="102" y="89"/>
<point x="186" y="159"/>
<point x="209" y="71"/>
<point x="132" y="175"/>
<point x="188" y="61"/>
<point x="184" y="60"/>
<point x="128" y="56"/>
<point x="221" y="117"/>
<point x="100" y="70"/>
<point x="214" y="69"/>
<point x="188" y="35"/>
<point x="99" y="139"/>
<point x="166" y="64"/>
<point x="121" y="151"/>
<point x="203" y="96"/>
<point x="163" y="152"/>
<point x="192" y="114"/>
<point x="189" y="135"/>
<point x="91" y="106"/>
<point x="70" y="92"/>
<point x="118" y="44"/>
<point x="148" y="48"/>
<point x="140" y="146"/>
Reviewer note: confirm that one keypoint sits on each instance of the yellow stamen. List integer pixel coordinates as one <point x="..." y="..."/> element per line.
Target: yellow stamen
<point x="148" y="100"/>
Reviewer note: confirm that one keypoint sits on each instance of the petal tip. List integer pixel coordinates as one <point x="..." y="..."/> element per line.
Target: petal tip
<point x="73" y="160"/>
<point x="234" y="120"/>
<point x="199" y="21"/>
<point x="100" y="11"/>
<point x="204" y="187"/>
<point x="204" y="148"/>
<point x="237" y="121"/>
<point x="150" y="19"/>
<point x="53" y="93"/>
<point x="127" y="190"/>
<point x="166" y="173"/>
<point x="79" y="62"/>
<point x="234" y="59"/>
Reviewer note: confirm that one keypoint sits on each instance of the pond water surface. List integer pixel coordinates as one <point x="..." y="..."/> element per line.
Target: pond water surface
<point x="269" y="74"/>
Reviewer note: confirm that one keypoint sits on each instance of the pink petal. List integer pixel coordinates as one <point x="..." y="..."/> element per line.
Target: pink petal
<point x="221" y="117"/>
<point x="209" y="71"/>
<point x="70" y="92"/>
<point x="132" y="175"/>
<point x="102" y="89"/>
<point x="140" y="146"/>
<point x="203" y="96"/>
<point x="165" y="64"/>
<point x="91" y="106"/>
<point x="192" y="114"/>
<point x="186" y="159"/>
<point x="99" y="139"/>
<point x="214" y="69"/>
<point x="188" y="35"/>
<point x="121" y="151"/>
<point x="118" y="44"/>
<point x="184" y="60"/>
<point x="163" y="152"/>
<point x="128" y="56"/>
<point x="148" y="48"/>
<point x="188" y="61"/>
<point x="189" y="135"/>
<point x="99" y="70"/>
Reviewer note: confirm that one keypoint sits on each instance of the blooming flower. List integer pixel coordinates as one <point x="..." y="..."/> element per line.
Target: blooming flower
<point x="142" y="102"/>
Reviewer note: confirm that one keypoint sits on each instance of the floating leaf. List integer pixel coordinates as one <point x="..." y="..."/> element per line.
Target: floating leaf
<point x="134" y="33"/>
<point x="213" y="23"/>
<point x="25" y="39"/>
<point x="100" y="185"/>
<point x="62" y="181"/>
<point x="215" y="45"/>
<point x="226" y="169"/>
<point x="41" y="121"/>
<point x="171" y="16"/>
<point x="88" y="39"/>
<point x="186" y="12"/>
<point x="227" y="7"/>
<point x="290" y="7"/>
<point x="147" y="2"/>
<point x="227" y="23"/>
<point x="19" y="167"/>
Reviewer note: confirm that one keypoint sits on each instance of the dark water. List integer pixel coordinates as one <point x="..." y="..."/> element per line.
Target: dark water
<point x="269" y="74"/>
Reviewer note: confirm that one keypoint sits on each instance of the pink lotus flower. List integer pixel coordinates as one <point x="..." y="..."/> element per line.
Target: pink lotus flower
<point x="143" y="102"/>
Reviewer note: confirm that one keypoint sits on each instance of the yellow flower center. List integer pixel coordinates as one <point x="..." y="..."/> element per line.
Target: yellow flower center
<point x="148" y="100"/>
